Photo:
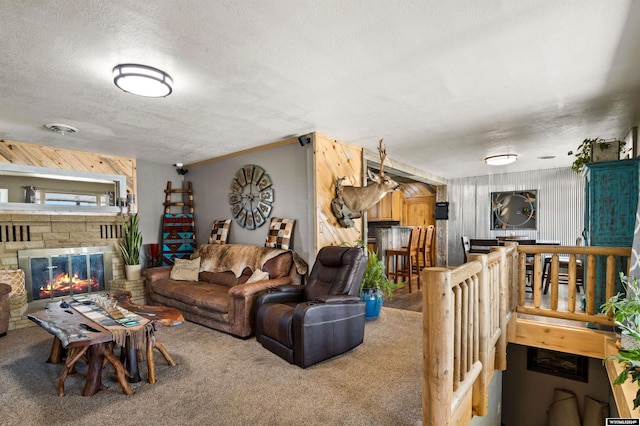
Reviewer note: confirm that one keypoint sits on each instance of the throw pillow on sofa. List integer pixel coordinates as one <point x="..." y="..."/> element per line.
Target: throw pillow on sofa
<point x="258" y="275"/>
<point x="280" y="233"/>
<point x="220" y="231"/>
<point x="185" y="269"/>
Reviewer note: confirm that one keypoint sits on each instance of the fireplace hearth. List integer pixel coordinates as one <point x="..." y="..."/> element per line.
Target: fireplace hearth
<point x="64" y="272"/>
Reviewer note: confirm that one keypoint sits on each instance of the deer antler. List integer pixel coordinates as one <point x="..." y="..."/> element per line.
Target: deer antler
<point x="383" y="154"/>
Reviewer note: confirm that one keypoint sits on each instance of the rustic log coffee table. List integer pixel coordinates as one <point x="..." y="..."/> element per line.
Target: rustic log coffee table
<point x="80" y="336"/>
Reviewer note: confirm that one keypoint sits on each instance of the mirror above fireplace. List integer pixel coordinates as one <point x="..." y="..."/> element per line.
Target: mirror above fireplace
<point x="32" y="189"/>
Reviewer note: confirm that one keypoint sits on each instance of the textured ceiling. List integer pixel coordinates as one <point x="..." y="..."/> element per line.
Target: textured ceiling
<point x="445" y="83"/>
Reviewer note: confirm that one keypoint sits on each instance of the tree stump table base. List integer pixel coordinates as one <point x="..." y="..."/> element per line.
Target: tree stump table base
<point x="160" y="316"/>
<point x="97" y="355"/>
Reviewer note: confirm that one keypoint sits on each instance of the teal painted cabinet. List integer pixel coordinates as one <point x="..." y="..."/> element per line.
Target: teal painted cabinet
<point x="611" y="200"/>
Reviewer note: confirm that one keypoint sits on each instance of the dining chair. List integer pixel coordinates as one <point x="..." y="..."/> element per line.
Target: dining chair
<point x="563" y="262"/>
<point x="466" y="246"/>
<point x="482" y="245"/>
<point x="563" y="278"/>
<point x="404" y="258"/>
<point x="528" y="264"/>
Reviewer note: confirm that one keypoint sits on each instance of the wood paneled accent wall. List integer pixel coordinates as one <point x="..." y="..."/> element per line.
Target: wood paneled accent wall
<point x="418" y="204"/>
<point x="36" y="231"/>
<point x="332" y="160"/>
<point x="66" y="159"/>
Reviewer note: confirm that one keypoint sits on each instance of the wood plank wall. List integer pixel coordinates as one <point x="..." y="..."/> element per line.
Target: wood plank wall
<point x="66" y="159"/>
<point x="332" y="160"/>
<point x="418" y="204"/>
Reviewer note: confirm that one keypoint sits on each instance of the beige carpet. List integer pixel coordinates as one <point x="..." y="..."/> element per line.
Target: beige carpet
<point x="221" y="380"/>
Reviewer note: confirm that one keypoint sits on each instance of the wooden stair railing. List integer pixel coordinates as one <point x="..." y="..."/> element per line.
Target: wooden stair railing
<point x="592" y="309"/>
<point x="465" y="333"/>
<point x="470" y="313"/>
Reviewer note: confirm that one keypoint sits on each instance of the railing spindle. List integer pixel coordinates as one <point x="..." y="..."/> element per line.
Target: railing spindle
<point x="571" y="299"/>
<point x="522" y="277"/>
<point x="611" y="277"/>
<point x="537" y="282"/>
<point x="591" y="284"/>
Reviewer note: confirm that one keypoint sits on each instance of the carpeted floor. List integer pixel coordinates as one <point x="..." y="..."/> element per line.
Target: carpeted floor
<point x="221" y="380"/>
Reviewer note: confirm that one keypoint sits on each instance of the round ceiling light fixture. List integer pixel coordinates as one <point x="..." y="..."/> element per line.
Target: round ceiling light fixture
<point x="500" y="160"/>
<point x="142" y="80"/>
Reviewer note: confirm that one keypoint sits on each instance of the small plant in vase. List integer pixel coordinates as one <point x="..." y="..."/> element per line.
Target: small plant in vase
<point x="374" y="285"/>
<point x="130" y="247"/>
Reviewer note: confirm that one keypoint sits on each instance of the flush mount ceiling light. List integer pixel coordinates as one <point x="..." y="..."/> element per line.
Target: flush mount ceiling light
<point x="61" y="128"/>
<point x="500" y="160"/>
<point x="142" y="80"/>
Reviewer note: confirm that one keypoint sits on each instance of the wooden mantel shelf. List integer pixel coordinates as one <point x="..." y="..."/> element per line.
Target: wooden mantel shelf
<point x="29" y="208"/>
<point x="625" y="393"/>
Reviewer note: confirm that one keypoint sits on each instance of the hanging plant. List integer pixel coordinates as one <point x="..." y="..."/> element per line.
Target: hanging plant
<point x="585" y="151"/>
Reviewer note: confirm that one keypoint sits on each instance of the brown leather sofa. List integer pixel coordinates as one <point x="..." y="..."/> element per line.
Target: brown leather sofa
<point x="5" y="312"/>
<point x="221" y="298"/>
<point x="324" y="318"/>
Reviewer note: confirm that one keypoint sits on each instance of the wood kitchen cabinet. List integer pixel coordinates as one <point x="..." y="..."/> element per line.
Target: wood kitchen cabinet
<point x="389" y="208"/>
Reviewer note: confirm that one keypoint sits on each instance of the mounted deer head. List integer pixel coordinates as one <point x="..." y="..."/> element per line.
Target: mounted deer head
<point x="359" y="199"/>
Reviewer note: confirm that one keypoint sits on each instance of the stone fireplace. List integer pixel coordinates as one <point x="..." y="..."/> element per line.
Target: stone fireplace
<point x="25" y="232"/>
<point x="64" y="272"/>
<point x="32" y="226"/>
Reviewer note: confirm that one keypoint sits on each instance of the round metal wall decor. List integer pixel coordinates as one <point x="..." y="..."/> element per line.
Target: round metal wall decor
<point x="251" y="196"/>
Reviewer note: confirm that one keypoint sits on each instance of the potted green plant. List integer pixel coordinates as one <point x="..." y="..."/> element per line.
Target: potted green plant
<point x="631" y="360"/>
<point x="591" y="150"/>
<point x="625" y="308"/>
<point x="130" y="247"/>
<point x="626" y="315"/>
<point x="375" y="285"/>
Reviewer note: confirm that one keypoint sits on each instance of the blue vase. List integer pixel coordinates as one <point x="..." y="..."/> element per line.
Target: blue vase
<point x="373" y="299"/>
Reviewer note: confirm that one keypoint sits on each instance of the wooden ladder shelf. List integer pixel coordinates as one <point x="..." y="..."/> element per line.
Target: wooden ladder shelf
<point x="178" y="229"/>
<point x="184" y="203"/>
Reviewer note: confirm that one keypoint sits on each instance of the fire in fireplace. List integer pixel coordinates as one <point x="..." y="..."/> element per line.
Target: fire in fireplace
<point x="64" y="285"/>
<point x="64" y="272"/>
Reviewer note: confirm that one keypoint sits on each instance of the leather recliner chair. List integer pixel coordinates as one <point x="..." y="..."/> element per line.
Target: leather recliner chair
<point x="306" y="324"/>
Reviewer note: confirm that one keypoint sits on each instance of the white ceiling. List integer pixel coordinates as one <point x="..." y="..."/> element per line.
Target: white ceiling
<point x="445" y="83"/>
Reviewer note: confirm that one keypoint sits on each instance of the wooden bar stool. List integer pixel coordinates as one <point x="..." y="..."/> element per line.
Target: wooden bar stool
<point x="405" y="258"/>
<point x="426" y="243"/>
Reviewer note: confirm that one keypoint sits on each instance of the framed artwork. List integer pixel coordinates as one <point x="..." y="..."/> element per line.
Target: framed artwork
<point x="569" y="366"/>
<point x="514" y="210"/>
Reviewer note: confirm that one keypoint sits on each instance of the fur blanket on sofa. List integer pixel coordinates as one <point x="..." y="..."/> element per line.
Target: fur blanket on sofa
<point x="237" y="257"/>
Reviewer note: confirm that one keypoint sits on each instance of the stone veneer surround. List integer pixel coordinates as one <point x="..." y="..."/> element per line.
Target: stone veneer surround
<point x="24" y="231"/>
